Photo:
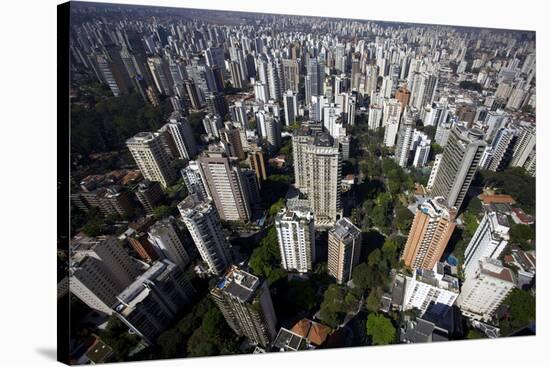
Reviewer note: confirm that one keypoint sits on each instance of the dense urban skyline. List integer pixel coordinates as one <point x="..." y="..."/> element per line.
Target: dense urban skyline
<point x="256" y="183"/>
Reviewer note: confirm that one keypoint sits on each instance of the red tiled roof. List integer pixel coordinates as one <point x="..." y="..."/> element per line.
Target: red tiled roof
<point x="318" y="333"/>
<point x="302" y="327"/>
<point x="497" y="199"/>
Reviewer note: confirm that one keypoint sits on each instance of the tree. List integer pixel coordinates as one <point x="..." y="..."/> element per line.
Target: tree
<point x="163" y="211"/>
<point x="521" y="234"/>
<point x="360" y="276"/>
<point x="373" y="300"/>
<point x="333" y="306"/>
<point x="470" y="224"/>
<point x="93" y="227"/>
<point x="474" y="334"/>
<point x="403" y="218"/>
<point x="380" y="329"/>
<point x="278" y="205"/>
<point x="199" y="345"/>
<point x="117" y="337"/>
<point x="390" y="252"/>
<point x="266" y="258"/>
<point x="522" y="310"/>
<point x="171" y="343"/>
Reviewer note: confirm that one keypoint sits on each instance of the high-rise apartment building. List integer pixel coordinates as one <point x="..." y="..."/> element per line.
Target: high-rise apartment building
<point x="151" y="157"/>
<point x="432" y="227"/>
<point x="256" y="161"/>
<point x="231" y="136"/>
<point x="423" y="89"/>
<point x="317" y="171"/>
<point x="430" y="290"/>
<point x="203" y="223"/>
<point x="459" y="163"/>
<point x="524" y="146"/>
<point x="344" y="249"/>
<point x="212" y="124"/>
<point x="193" y="180"/>
<point x="484" y="292"/>
<point x="167" y="241"/>
<point x="224" y="184"/>
<point x="291" y="73"/>
<point x="502" y="149"/>
<point x="149" y="195"/>
<point x="290" y="103"/>
<point x="315" y="77"/>
<point x="404" y="139"/>
<point x="150" y="304"/>
<point x="390" y="132"/>
<point x="99" y="270"/>
<point x="182" y="134"/>
<point x="246" y="305"/>
<point x="296" y="235"/>
<point x="488" y="241"/>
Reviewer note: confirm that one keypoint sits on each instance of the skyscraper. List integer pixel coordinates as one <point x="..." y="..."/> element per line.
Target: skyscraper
<point x="193" y="180"/>
<point x="225" y="185"/>
<point x="524" y="146"/>
<point x="181" y="132"/>
<point x="290" y="103"/>
<point x="246" y="305"/>
<point x="166" y="239"/>
<point x="430" y="232"/>
<point x="317" y="171"/>
<point x="231" y="136"/>
<point x="315" y="77"/>
<point x="257" y="162"/>
<point x="150" y="304"/>
<point x="271" y="131"/>
<point x="216" y="104"/>
<point x="291" y="73"/>
<point x="459" y="163"/>
<point x="296" y="236"/>
<point x="423" y="89"/>
<point x="344" y="249"/>
<point x="212" y="124"/>
<point x="151" y="158"/>
<point x="502" y="149"/>
<point x="99" y="270"/>
<point x="488" y="241"/>
<point x="203" y="223"/>
<point x="484" y="292"/>
<point x="149" y="195"/>
<point x="404" y="140"/>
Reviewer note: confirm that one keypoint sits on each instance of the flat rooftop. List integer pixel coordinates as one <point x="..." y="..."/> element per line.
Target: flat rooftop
<point x="239" y="284"/>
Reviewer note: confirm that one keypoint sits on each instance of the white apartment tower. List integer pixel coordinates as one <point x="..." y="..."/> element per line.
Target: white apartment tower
<point x="430" y="290"/>
<point x="164" y="237"/>
<point x="488" y="241"/>
<point x="296" y="234"/>
<point x="482" y="293"/>
<point x="203" y="223"/>
<point x="183" y="136"/>
<point x="225" y="184"/>
<point x="151" y="158"/>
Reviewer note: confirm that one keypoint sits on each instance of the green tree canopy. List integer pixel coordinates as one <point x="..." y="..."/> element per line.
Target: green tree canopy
<point x="380" y="329"/>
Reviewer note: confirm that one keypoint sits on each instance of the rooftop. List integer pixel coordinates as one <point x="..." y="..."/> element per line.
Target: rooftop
<point x="239" y="284"/>
<point x="344" y="229"/>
